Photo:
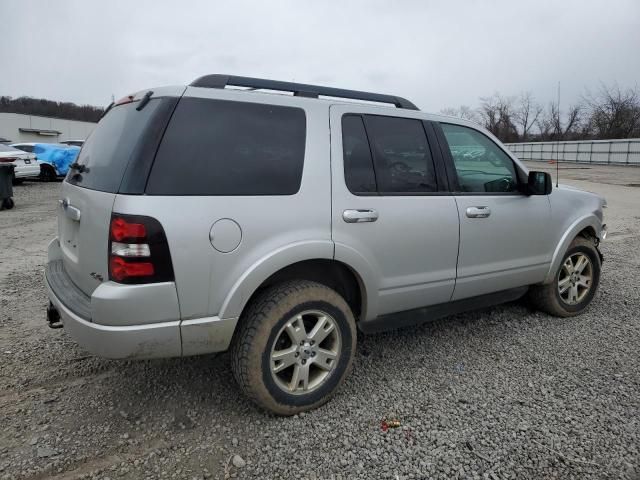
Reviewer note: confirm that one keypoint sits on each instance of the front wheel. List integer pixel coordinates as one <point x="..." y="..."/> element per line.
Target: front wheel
<point x="575" y="283"/>
<point x="294" y="347"/>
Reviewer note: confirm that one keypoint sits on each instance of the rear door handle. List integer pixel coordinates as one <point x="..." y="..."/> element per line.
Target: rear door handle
<point x="359" y="216"/>
<point x="478" y="212"/>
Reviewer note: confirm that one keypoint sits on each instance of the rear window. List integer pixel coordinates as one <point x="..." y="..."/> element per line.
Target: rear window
<point x="6" y="148"/>
<point x="219" y="147"/>
<point x="117" y="139"/>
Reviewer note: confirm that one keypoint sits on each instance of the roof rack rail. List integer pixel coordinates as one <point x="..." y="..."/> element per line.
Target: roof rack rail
<point x="298" y="89"/>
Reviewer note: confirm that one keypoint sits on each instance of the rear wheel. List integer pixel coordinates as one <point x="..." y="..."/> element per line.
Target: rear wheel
<point x="575" y="283"/>
<point x="294" y="347"/>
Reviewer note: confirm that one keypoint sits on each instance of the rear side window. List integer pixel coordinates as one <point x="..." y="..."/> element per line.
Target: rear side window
<point x="402" y="157"/>
<point x="116" y="140"/>
<point x="358" y="164"/>
<point x="24" y="148"/>
<point x="219" y="147"/>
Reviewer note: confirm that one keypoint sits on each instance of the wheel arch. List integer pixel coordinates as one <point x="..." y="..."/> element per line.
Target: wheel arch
<point x="587" y="226"/>
<point x="299" y="262"/>
<point x="47" y="167"/>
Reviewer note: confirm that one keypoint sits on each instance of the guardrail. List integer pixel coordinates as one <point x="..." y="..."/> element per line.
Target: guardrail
<point x="604" y="152"/>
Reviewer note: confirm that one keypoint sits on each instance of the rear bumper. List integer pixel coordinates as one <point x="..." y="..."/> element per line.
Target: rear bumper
<point x="134" y="341"/>
<point x="172" y="337"/>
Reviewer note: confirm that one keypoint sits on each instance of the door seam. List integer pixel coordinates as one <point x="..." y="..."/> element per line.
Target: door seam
<point x="455" y="282"/>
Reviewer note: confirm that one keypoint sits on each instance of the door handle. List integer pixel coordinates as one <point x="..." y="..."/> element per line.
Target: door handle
<point x="478" y="212"/>
<point x="359" y="216"/>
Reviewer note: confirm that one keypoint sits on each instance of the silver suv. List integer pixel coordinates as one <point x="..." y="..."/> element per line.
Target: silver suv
<point x="224" y="216"/>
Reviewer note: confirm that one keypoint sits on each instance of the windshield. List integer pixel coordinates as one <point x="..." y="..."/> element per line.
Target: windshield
<point x="6" y="148"/>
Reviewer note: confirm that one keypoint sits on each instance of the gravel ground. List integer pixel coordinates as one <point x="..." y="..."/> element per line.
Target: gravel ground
<point x="500" y="393"/>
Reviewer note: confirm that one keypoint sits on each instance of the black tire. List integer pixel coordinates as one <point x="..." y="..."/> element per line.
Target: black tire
<point x="547" y="297"/>
<point x="262" y="325"/>
<point x="7" y="204"/>
<point x="47" y="173"/>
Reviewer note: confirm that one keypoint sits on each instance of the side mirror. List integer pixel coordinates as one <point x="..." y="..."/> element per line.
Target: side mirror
<point x="539" y="183"/>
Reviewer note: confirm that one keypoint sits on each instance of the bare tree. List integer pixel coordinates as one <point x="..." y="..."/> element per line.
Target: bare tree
<point x="526" y="115"/>
<point x="450" y="112"/>
<point x="553" y="127"/>
<point x="614" y="113"/>
<point x="609" y="113"/>
<point x="464" y="111"/>
<point x="497" y="115"/>
<point x="50" y="108"/>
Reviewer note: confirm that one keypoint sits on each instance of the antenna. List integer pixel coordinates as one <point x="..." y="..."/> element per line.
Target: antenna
<point x="558" y="142"/>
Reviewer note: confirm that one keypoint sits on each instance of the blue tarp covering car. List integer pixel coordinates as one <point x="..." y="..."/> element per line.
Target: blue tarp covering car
<point x="59" y="156"/>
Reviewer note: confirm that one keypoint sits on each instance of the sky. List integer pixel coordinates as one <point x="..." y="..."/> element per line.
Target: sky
<point x="437" y="54"/>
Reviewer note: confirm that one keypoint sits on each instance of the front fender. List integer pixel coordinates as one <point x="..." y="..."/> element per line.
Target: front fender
<point x="266" y="266"/>
<point x="590" y="220"/>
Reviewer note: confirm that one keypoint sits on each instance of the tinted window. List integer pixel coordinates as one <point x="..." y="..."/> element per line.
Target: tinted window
<point x="114" y="142"/>
<point x="24" y="148"/>
<point x="481" y="165"/>
<point x="358" y="165"/>
<point x="403" y="162"/>
<point x="216" y="147"/>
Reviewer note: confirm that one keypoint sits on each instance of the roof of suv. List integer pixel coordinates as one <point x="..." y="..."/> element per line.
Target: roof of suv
<point x="264" y="86"/>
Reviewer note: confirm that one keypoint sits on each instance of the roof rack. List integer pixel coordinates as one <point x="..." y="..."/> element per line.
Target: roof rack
<point x="298" y="89"/>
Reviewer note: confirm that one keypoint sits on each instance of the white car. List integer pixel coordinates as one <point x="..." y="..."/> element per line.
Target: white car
<point x="26" y="165"/>
<point x="47" y="171"/>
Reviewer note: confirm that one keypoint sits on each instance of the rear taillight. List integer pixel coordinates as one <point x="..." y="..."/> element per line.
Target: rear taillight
<point x="8" y="159"/>
<point x="138" y="250"/>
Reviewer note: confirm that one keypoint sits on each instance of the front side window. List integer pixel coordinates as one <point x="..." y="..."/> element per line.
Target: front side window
<point x="480" y="164"/>
<point x="403" y="161"/>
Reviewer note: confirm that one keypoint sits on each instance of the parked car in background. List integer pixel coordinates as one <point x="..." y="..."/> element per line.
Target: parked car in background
<point x="75" y="143"/>
<point x="26" y="165"/>
<point x="54" y="158"/>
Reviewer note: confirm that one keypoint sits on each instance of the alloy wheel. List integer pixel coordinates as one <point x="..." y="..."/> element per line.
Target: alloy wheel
<point x="305" y="352"/>
<point x="575" y="278"/>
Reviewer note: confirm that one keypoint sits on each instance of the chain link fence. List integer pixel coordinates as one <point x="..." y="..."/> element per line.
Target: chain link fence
<point x="603" y="152"/>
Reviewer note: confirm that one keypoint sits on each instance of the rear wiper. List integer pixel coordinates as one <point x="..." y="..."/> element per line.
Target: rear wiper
<point x="79" y="167"/>
<point x="144" y="100"/>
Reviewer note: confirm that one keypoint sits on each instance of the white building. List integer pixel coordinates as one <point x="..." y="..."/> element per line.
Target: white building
<point x="18" y="128"/>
